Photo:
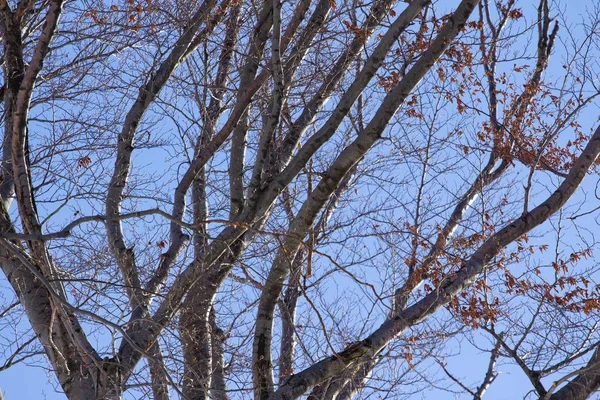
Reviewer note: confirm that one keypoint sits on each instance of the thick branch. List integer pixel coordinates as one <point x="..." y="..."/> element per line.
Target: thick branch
<point x="147" y="94"/>
<point x="464" y="278"/>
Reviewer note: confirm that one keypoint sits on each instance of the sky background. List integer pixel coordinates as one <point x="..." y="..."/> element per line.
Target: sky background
<point x="31" y="381"/>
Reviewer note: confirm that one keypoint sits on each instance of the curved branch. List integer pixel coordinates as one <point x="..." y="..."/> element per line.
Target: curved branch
<point x="464" y="278"/>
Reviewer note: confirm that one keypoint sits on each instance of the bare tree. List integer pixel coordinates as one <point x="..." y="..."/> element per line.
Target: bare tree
<point x="227" y="199"/>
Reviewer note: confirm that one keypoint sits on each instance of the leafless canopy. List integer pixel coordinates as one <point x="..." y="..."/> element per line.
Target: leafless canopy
<point x="327" y="199"/>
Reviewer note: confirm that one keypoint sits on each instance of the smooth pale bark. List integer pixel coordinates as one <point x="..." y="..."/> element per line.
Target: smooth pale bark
<point x="288" y="309"/>
<point x="50" y="329"/>
<point x="125" y="256"/>
<point x="262" y="364"/>
<point x="357" y="380"/>
<point x="263" y="382"/>
<point x="178" y="238"/>
<point x="292" y="293"/>
<point x="366" y="349"/>
<point x="197" y="346"/>
<point x="14" y="73"/>
<point x="18" y="139"/>
<point x="293" y="136"/>
<point x="238" y="140"/>
<point x="278" y="153"/>
<point x="221" y="248"/>
<point x="197" y="343"/>
<point x="74" y="360"/>
<point x="158" y="375"/>
<point x="488" y="175"/>
<point x="490" y="172"/>
<point x="213" y="261"/>
<point x="490" y="374"/>
<point x="140" y="299"/>
<point x="371" y="65"/>
<point x="271" y="121"/>
<point x="585" y="382"/>
<point x="217" y="257"/>
<point x="218" y="387"/>
<point x="62" y="327"/>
